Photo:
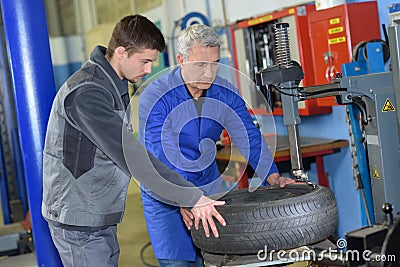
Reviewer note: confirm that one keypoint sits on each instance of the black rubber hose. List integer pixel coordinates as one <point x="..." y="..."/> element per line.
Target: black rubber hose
<point x="358" y="103"/>
<point x="142" y="255"/>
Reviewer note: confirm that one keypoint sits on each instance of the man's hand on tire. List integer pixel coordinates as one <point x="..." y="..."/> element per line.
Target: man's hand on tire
<point x="277" y="179"/>
<point x="204" y="210"/>
<point x="187" y="218"/>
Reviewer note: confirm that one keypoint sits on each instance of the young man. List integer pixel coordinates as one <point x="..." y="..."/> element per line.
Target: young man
<point x="181" y="116"/>
<point x="90" y="152"/>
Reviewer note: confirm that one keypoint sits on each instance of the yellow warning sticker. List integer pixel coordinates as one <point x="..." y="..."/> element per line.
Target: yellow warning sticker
<point x="388" y="106"/>
<point x="376" y="173"/>
<point x="260" y="20"/>
<point x="335" y="30"/>
<point x="337" y="40"/>
<point x="334" y="21"/>
<point x="291" y="11"/>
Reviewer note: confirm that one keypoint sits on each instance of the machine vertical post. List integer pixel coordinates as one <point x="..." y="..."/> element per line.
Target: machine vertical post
<point x="31" y="70"/>
<point x="291" y="116"/>
<point x="394" y="41"/>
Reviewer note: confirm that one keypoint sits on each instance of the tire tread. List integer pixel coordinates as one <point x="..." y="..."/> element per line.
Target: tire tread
<point x="292" y="223"/>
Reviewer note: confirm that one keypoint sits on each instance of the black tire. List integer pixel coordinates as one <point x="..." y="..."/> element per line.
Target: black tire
<point x="279" y="218"/>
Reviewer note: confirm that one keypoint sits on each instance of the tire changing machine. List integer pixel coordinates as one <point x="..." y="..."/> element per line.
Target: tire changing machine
<point x="377" y="96"/>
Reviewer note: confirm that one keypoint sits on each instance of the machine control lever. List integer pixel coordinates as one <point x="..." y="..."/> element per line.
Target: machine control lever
<point x="387" y="208"/>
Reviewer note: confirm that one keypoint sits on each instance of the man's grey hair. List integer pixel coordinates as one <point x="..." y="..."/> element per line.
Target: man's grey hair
<point x="197" y="34"/>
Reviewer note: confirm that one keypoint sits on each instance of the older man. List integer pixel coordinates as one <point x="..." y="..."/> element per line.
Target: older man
<point x="181" y="116"/>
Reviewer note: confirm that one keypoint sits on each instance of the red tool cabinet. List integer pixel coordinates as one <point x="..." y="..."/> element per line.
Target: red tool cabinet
<point x="253" y="49"/>
<point x="333" y="34"/>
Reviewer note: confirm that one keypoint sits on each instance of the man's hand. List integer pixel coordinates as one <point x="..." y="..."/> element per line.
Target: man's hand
<point x="187" y="217"/>
<point x="277" y="179"/>
<point x="204" y="210"/>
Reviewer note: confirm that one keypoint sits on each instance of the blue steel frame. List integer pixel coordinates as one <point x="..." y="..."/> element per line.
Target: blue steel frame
<point x="27" y="41"/>
<point x="374" y="64"/>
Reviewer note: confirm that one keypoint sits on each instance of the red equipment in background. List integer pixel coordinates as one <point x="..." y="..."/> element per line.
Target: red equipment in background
<point x="319" y="40"/>
<point x="253" y="49"/>
<point x="334" y="32"/>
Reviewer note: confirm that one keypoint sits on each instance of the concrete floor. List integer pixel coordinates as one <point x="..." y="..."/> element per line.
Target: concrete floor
<point x="132" y="232"/>
<point x="132" y="235"/>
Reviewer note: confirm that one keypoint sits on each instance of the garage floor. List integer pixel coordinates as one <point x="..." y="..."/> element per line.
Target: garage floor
<point x="132" y="234"/>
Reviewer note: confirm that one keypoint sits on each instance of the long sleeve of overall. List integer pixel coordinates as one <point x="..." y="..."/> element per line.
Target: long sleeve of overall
<point x="247" y="137"/>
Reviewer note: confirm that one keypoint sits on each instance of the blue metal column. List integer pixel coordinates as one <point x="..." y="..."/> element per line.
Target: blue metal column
<point x="28" y="47"/>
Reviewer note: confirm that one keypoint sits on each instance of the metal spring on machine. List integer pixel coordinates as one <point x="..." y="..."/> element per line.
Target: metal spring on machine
<point x="282" y="45"/>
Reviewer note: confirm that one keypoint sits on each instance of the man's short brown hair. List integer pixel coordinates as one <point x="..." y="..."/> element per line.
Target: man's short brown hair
<point x="135" y="33"/>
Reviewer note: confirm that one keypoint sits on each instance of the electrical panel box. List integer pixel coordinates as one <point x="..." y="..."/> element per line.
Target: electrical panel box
<point x="334" y="32"/>
<point x="253" y="49"/>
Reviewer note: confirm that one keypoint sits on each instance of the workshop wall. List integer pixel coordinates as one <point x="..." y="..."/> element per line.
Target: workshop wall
<point x="68" y="53"/>
<point x="65" y="20"/>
